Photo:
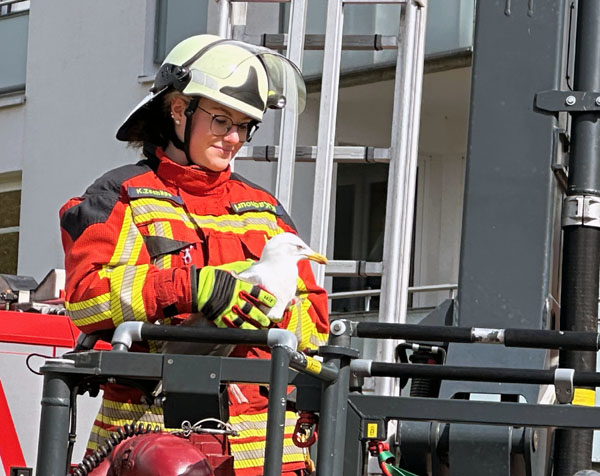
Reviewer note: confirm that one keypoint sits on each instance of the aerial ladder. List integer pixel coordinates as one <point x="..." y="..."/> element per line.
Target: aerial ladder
<point x="510" y="274"/>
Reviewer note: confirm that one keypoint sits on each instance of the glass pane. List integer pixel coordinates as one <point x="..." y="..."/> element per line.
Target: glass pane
<point x="13" y="56"/>
<point x="9" y="247"/>
<point x="10" y="203"/>
<point x="177" y="20"/>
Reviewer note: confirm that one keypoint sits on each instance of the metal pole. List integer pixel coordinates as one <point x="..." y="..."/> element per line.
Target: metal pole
<point x="334" y="401"/>
<point x="581" y="250"/>
<point x="224" y="26"/>
<point x="402" y="174"/>
<point x="280" y="360"/>
<point x="54" y="422"/>
<point x="289" y="116"/>
<point x="326" y="137"/>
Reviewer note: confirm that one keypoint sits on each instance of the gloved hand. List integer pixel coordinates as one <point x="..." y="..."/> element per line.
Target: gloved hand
<point x="231" y="302"/>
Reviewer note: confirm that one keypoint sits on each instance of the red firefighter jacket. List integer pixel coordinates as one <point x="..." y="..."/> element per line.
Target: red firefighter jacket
<point x="131" y="242"/>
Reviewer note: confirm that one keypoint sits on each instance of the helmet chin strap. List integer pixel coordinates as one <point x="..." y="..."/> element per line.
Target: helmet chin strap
<point x="185" y="145"/>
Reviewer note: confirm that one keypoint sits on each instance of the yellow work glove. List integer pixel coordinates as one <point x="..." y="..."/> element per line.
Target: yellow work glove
<point x="231" y="302"/>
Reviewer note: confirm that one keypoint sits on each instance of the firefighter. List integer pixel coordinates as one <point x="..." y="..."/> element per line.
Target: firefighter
<point x="154" y="241"/>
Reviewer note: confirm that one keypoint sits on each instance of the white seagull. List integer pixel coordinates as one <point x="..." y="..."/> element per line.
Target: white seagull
<point x="277" y="270"/>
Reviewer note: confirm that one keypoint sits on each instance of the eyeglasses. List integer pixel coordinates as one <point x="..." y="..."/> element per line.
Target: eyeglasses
<point x="221" y="125"/>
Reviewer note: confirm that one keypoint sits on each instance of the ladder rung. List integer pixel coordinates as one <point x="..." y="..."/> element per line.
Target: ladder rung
<point x="353" y="268"/>
<point x="341" y="154"/>
<point x="358" y="2"/>
<point x="278" y="41"/>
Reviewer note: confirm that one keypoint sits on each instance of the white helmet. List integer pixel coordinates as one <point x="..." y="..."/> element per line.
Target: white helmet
<point x="241" y="76"/>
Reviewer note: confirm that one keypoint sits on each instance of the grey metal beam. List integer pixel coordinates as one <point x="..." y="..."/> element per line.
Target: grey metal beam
<point x="476" y="412"/>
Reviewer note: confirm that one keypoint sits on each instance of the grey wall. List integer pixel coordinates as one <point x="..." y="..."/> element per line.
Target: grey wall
<point x="83" y="64"/>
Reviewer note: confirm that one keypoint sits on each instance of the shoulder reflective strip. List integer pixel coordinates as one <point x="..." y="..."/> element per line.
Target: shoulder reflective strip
<point x="11" y="453"/>
<point x="126" y="284"/>
<point x="584" y="397"/>
<point x="146" y="209"/>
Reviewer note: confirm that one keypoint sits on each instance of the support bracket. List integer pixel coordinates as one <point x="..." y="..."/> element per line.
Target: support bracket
<point x="563" y="385"/>
<point x="568" y="101"/>
<point x="581" y="210"/>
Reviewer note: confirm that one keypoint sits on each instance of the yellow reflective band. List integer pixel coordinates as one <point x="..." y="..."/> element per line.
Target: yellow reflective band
<point x="240" y="224"/>
<point x="76" y="306"/>
<point x="125" y="240"/>
<point x="258" y="432"/>
<point x="258" y="417"/>
<point x="252" y="455"/>
<point x="584" y="397"/>
<point x="126" y="284"/>
<point x="147" y="209"/>
<point x="162" y="228"/>
<point x="89" y="311"/>
<point x="260" y="462"/>
<point x="136" y="407"/>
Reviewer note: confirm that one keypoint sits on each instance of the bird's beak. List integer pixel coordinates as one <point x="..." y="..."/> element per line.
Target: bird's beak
<point x="317" y="257"/>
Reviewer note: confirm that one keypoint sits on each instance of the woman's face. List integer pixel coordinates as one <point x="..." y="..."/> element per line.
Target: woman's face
<point x="206" y="149"/>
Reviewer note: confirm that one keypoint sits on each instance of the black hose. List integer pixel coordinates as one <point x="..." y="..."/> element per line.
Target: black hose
<point x="94" y="459"/>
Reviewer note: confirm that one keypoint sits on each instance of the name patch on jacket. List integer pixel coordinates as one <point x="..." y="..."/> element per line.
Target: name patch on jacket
<point x="146" y="192"/>
<point x="252" y="206"/>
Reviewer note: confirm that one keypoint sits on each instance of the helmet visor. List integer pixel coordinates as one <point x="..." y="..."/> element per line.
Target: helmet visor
<point x="286" y="85"/>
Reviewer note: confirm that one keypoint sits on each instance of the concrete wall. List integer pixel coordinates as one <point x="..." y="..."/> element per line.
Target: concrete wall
<point x="83" y="64"/>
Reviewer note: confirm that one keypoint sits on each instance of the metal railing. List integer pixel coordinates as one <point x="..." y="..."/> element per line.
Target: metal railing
<point x="369" y="293"/>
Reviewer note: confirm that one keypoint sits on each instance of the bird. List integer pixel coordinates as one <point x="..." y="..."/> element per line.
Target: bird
<point x="277" y="270"/>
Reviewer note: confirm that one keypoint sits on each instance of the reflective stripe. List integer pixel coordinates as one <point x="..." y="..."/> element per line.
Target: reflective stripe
<point x="89" y="311"/>
<point x="114" y="414"/>
<point x="148" y="209"/>
<point x="162" y="228"/>
<point x="239" y="224"/>
<point x="129" y="243"/>
<point x="250" y="455"/>
<point x="127" y="303"/>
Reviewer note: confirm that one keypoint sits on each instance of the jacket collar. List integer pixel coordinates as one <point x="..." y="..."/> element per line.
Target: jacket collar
<point x="190" y="178"/>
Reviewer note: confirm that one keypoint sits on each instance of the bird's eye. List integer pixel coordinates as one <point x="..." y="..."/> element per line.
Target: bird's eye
<point x="298" y="247"/>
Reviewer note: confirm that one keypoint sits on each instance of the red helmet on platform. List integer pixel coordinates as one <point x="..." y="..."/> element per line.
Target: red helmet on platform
<point x="159" y="454"/>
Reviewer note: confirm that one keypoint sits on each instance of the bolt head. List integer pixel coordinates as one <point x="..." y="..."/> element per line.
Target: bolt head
<point x="213" y="375"/>
<point x="170" y="361"/>
<point x="598" y="101"/>
<point x="570" y="100"/>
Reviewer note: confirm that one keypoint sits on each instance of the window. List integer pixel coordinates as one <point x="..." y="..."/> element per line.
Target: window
<point x="10" y="202"/>
<point x="177" y="20"/>
<point x="14" y="25"/>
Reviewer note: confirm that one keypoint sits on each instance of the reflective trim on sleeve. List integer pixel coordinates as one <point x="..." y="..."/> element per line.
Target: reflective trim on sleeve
<point x="89" y="311"/>
<point x="127" y="302"/>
